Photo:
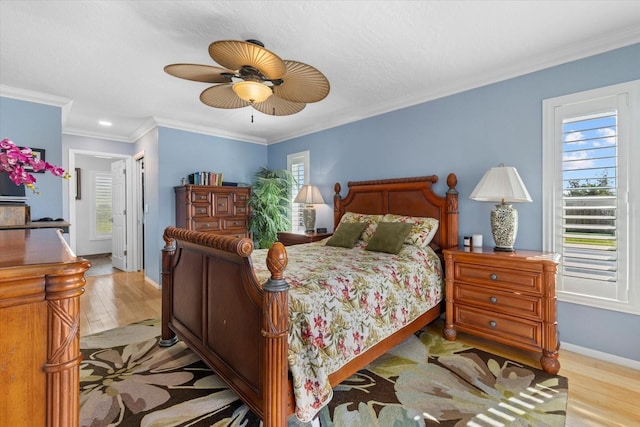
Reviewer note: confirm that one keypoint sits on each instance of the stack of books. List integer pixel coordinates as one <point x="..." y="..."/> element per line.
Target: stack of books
<point x="205" y="178"/>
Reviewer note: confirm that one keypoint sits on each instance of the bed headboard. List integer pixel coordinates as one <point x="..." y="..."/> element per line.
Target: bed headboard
<point x="404" y="196"/>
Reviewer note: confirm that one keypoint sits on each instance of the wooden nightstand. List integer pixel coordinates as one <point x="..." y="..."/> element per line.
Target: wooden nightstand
<point x="508" y="297"/>
<point x="288" y="238"/>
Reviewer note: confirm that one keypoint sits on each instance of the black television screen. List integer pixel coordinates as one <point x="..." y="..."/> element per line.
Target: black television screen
<point x="10" y="191"/>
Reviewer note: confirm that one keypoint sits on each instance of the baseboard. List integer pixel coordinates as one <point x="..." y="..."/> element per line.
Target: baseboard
<point x="607" y="357"/>
<point x="151" y="282"/>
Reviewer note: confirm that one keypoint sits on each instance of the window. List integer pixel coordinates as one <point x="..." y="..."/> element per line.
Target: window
<point x="101" y="210"/>
<point x="298" y="165"/>
<point x="590" y="142"/>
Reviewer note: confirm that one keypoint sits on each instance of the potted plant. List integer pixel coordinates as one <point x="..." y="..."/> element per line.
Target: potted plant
<point x="270" y="203"/>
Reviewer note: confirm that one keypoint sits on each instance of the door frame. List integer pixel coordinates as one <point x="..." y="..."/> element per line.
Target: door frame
<point x="132" y="234"/>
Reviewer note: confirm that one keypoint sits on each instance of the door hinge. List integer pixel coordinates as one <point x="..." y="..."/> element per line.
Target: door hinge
<point x="125" y="253"/>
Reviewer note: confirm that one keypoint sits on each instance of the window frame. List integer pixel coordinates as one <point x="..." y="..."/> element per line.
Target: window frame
<point x="555" y="110"/>
<point x="292" y="159"/>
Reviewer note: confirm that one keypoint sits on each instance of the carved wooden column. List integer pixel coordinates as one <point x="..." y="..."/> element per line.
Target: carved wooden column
<point x="275" y="331"/>
<point x="550" y="341"/>
<point x="449" y="331"/>
<point x="168" y="337"/>
<point x="452" y="210"/>
<point x="63" y="347"/>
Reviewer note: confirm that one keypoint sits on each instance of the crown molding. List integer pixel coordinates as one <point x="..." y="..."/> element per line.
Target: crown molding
<point x="33" y="96"/>
<point x="190" y="127"/>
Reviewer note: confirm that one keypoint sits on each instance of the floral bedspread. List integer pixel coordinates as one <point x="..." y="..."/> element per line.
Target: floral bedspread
<point x="343" y="301"/>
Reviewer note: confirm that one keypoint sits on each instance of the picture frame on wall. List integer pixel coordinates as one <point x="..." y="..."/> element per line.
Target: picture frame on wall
<point x="39" y="154"/>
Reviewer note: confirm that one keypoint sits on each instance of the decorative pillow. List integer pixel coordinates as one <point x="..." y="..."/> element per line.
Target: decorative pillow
<point x="389" y="237"/>
<point x="346" y="235"/>
<point x="423" y="228"/>
<point x="371" y="221"/>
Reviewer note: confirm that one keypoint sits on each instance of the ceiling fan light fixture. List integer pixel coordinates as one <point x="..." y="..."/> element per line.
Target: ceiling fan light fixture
<point x="252" y="91"/>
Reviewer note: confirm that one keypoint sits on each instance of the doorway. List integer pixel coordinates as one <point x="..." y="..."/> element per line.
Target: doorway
<point x="83" y="239"/>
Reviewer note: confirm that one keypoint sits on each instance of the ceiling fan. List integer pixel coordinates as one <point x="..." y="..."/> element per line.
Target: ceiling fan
<point x="254" y="76"/>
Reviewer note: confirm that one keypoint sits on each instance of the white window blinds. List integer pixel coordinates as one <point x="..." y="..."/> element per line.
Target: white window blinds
<point x="298" y="165"/>
<point x="590" y="197"/>
<point x="102" y="204"/>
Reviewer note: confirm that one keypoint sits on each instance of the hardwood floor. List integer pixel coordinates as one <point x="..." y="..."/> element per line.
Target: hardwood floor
<point x="116" y="300"/>
<point x="600" y="393"/>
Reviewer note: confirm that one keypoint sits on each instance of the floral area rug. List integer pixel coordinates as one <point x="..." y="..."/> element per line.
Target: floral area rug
<point x="126" y="379"/>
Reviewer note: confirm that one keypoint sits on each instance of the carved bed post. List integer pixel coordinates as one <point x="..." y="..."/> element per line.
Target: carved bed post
<point x="452" y="211"/>
<point x="168" y="337"/>
<point x="336" y="204"/>
<point x="275" y="333"/>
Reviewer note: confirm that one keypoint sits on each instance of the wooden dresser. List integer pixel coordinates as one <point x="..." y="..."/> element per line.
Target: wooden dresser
<point x="214" y="209"/>
<point x="508" y="297"/>
<point x="41" y="281"/>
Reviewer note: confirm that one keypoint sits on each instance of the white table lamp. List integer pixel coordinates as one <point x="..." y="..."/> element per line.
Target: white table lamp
<point x="310" y="196"/>
<point x="502" y="184"/>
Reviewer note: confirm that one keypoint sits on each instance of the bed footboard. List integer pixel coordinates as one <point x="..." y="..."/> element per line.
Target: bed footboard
<point x="213" y="302"/>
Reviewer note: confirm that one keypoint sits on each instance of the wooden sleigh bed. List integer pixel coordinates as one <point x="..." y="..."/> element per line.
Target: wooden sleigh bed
<point x="214" y="302"/>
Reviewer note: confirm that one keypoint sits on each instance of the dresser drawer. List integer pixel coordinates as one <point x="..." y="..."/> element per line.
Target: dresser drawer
<point x="240" y="209"/>
<point x="201" y="196"/>
<point x="222" y="204"/>
<point x="210" y="225"/>
<point x="235" y="223"/>
<point x="529" y="281"/>
<point x="497" y="326"/>
<point x="200" y="211"/>
<point x="502" y="301"/>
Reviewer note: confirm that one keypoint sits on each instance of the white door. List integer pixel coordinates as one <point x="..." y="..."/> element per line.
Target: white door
<point x="119" y="231"/>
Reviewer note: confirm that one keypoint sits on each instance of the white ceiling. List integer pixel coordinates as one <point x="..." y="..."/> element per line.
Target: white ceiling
<point x="105" y="59"/>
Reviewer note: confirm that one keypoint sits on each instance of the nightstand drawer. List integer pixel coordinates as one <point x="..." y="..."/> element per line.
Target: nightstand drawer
<point x="502" y="301"/>
<point x="530" y="281"/>
<point x="500" y="327"/>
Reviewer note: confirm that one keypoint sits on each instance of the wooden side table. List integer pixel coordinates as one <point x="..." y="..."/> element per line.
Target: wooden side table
<point x="507" y="297"/>
<point x="289" y="238"/>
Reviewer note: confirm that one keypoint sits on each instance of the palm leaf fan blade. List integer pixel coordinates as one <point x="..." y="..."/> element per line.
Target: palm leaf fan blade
<point x="235" y="54"/>
<point x="222" y="96"/>
<point x="199" y="73"/>
<point x="302" y="83"/>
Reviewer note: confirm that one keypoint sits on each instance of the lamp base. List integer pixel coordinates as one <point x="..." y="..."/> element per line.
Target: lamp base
<point x="504" y="227"/>
<point x="309" y="219"/>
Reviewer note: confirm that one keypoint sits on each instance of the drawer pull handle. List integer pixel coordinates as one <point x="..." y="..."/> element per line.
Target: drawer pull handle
<point x="493" y="276"/>
<point x="493" y="300"/>
<point x="493" y="324"/>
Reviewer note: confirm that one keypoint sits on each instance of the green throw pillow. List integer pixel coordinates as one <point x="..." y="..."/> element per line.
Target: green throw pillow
<point x="389" y="237"/>
<point x="347" y="234"/>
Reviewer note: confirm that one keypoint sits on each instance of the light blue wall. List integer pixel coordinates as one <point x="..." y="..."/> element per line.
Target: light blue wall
<point x="37" y="126"/>
<point x="180" y="153"/>
<point x="467" y="133"/>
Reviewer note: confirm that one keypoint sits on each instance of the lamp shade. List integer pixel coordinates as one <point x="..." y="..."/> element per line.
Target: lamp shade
<point x="309" y="195"/>
<point x="501" y="184"/>
<point x="252" y="91"/>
